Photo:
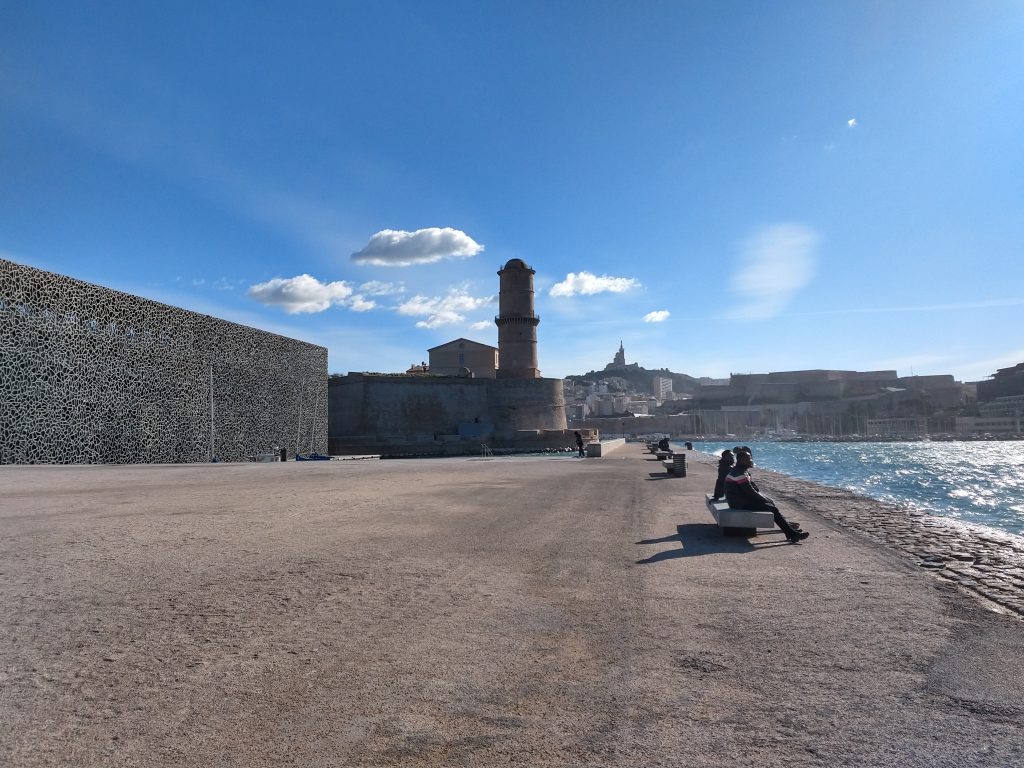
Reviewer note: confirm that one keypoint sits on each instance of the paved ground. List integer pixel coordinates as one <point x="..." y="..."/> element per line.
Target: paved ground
<point x="468" y="612"/>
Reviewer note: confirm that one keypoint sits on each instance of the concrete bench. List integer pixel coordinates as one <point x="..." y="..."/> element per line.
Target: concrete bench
<point x="738" y="522"/>
<point x="675" y="464"/>
<point x="599" y="449"/>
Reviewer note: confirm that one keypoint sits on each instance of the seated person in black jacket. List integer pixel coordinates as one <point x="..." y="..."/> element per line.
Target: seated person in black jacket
<point x="724" y="465"/>
<point x="742" y="493"/>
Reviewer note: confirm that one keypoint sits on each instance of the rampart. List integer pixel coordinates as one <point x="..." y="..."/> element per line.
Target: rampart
<point x="93" y="375"/>
<point x="391" y="410"/>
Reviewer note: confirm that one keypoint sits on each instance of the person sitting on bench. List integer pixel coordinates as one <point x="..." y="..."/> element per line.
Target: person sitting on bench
<point x="724" y="465"/>
<point x="742" y="493"/>
<point x="663" y="445"/>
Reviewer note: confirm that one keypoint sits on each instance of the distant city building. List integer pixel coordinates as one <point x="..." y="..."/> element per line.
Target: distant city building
<point x="662" y="387"/>
<point x="1003" y="383"/>
<point x="1013" y="405"/>
<point x="990" y="425"/>
<point x="637" y="406"/>
<point x="897" y="427"/>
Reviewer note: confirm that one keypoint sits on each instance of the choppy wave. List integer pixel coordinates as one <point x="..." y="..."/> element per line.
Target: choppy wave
<point x="972" y="482"/>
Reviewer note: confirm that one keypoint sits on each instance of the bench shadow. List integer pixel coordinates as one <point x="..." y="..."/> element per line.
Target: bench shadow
<point x="658" y="475"/>
<point x="697" y="539"/>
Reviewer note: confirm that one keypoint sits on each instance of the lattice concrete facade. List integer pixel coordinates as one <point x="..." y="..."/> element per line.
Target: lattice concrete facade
<point x="93" y="375"/>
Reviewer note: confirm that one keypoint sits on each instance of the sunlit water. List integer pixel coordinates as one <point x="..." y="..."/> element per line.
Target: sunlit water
<point x="973" y="482"/>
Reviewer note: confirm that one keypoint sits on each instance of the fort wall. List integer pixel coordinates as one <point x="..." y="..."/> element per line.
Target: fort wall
<point x="374" y="410"/>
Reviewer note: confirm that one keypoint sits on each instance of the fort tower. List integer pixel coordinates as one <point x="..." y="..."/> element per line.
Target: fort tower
<point x="517" y="324"/>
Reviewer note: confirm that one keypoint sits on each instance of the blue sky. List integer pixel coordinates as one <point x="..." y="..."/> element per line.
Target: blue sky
<point x="725" y="187"/>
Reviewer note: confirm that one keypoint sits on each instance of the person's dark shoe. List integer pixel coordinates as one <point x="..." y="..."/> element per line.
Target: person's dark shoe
<point x="798" y="536"/>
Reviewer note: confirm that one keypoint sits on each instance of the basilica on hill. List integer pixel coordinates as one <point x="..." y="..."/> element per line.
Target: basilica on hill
<point x="619" y="361"/>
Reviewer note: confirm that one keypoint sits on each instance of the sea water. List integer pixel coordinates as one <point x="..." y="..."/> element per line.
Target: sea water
<point x="973" y="482"/>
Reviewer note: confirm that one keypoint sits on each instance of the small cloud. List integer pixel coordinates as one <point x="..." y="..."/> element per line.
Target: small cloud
<point x="852" y="122"/>
<point x="483" y="325"/>
<point x="359" y="303"/>
<point x="301" y="294"/>
<point x="587" y="284"/>
<point x="830" y="147"/>
<point x="442" y="310"/>
<point x="377" y="288"/>
<point x="398" y="248"/>
<point x="658" y="316"/>
<point x="774" y="264"/>
<point x="198" y="282"/>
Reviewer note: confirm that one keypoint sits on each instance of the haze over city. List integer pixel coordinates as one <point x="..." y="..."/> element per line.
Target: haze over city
<point x="724" y="187"/>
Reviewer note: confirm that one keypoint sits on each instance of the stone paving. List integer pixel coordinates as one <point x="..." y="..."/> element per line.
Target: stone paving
<point x="982" y="561"/>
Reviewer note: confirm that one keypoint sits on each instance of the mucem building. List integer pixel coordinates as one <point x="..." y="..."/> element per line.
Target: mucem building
<point x="92" y="375"/>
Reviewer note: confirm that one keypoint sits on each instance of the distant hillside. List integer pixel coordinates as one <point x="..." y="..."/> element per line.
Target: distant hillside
<point x="637" y="379"/>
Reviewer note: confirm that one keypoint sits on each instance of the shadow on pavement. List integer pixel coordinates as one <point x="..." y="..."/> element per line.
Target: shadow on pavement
<point x="703" y="539"/>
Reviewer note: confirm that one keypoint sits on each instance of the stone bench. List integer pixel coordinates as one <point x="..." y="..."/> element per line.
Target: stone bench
<point x="599" y="449"/>
<point x="675" y="464"/>
<point x="738" y="522"/>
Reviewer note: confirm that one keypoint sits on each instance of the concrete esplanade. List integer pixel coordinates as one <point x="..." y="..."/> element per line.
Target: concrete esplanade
<point x="478" y="612"/>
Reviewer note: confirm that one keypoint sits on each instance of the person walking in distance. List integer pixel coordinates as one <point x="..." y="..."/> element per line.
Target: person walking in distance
<point x="579" y="445"/>
<point x="742" y="493"/>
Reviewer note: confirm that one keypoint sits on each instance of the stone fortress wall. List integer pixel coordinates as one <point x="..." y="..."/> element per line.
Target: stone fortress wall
<point x="93" y="375"/>
<point x="380" y="411"/>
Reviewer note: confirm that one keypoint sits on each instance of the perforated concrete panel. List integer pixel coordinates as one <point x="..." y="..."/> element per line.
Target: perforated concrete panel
<point x="93" y="375"/>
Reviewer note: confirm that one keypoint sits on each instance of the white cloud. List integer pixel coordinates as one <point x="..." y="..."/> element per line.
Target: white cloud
<point x="442" y="310"/>
<point x="587" y="284"/>
<point x="773" y="265"/>
<point x="377" y="288"/>
<point x="658" y="316"/>
<point x="359" y="303"/>
<point x="301" y="294"/>
<point x="852" y="122"/>
<point x="483" y="325"/>
<point x="397" y="248"/>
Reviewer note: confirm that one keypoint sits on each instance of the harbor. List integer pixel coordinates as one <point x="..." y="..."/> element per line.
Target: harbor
<point x="491" y="611"/>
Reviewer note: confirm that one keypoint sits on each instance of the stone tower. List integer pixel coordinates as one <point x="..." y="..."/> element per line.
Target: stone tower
<point x="517" y="324"/>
